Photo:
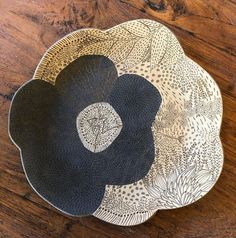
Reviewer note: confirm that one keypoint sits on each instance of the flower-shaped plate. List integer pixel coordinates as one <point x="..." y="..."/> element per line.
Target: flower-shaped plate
<point x="118" y="124"/>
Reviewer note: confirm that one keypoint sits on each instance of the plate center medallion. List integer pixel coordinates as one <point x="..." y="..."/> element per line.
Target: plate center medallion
<point x="98" y="126"/>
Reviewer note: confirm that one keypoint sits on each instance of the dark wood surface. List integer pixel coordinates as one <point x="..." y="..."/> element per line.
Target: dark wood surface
<point x="207" y="32"/>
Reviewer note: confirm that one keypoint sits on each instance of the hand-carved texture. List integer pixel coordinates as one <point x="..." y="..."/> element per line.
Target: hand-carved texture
<point x="187" y="91"/>
<point x="98" y="126"/>
<point x="207" y="33"/>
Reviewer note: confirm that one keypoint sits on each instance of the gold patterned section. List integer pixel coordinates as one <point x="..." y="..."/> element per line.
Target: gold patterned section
<point x="129" y="43"/>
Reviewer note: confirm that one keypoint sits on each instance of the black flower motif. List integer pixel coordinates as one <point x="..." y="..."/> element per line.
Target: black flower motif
<point x="90" y="129"/>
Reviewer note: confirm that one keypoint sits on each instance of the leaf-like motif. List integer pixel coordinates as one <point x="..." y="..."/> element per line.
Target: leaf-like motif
<point x="159" y="186"/>
<point x="174" y="51"/>
<point x="152" y="25"/>
<point x="137" y="52"/>
<point x="98" y="48"/>
<point x="158" y="46"/>
<point x="93" y="34"/>
<point x="187" y="187"/>
<point x="121" y="33"/>
<point x="203" y="176"/>
<point x="95" y="42"/>
<point x="160" y="182"/>
<point x="207" y="186"/>
<point x="116" y="54"/>
<point x="137" y="28"/>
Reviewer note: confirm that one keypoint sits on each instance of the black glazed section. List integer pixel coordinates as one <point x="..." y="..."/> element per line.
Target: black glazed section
<point x="43" y="125"/>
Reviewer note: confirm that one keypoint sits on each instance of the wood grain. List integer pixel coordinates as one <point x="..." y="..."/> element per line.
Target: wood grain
<point x="207" y="32"/>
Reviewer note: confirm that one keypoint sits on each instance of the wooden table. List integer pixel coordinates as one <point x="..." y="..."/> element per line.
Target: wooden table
<point x="207" y="32"/>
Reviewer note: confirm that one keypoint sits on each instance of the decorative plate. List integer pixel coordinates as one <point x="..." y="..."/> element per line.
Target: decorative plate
<point x="118" y="124"/>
